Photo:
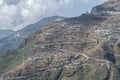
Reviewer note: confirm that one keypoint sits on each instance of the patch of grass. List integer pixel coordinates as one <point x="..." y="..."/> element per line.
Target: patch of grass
<point x="11" y="59"/>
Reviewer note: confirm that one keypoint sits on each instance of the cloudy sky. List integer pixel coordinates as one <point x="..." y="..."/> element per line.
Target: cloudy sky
<point x="15" y="13"/>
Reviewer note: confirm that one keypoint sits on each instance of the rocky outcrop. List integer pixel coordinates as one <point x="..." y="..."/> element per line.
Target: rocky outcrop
<point x="111" y="7"/>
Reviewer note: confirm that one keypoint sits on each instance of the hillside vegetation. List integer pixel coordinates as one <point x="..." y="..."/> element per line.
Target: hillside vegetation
<point x="70" y="49"/>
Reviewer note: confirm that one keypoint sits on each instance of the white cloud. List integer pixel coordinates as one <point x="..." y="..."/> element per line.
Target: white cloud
<point x="7" y="14"/>
<point x="27" y="11"/>
<point x="85" y="1"/>
<point x="1" y="2"/>
<point x="104" y="0"/>
<point x="8" y="10"/>
<point x="30" y="2"/>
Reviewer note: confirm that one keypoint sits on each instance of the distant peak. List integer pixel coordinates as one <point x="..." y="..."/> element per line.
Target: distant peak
<point x="115" y="0"/>
<point x="111" y="7"/>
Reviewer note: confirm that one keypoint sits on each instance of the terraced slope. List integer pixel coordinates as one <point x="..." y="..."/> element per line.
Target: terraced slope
<point x="68" y="50"/>
<point x="64" y="51"/>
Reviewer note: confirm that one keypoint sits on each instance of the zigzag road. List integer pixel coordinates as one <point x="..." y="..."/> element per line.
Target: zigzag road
<point x="68" y="51"/>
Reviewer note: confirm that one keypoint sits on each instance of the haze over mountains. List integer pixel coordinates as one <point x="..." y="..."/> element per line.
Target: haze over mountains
<point x="14" y="40"/>
<point x="5" y="33"/>
<point x="78" y="48"/>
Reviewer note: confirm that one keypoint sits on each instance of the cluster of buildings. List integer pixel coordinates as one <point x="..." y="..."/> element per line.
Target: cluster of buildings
<point x="109" y="33"/>
<point x="34" y="58"/>
<point x="77" y="26"/>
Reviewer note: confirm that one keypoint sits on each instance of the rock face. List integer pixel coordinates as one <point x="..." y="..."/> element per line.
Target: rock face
<point x="111" y="7"/>
<point x="114" y="1"/>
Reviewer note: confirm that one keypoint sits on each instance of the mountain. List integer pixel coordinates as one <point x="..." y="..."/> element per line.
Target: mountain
<point x="13" y="41"/>
<point x="65" y="51"/>
<point x="72" y="49"/>
<point x="87" y="19"/>
<point x="111" y="7"/>
<point x="5" y="33"/>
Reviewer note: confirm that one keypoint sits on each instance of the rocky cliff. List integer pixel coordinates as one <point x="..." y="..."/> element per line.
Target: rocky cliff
<point x="111" y="7"/>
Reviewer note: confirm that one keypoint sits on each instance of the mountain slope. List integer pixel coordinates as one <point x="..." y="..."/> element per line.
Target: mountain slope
<point x="64" y="51"/>
<point x="13" y="41"/>
<point x="67" y="50"/>
<point x="111" y="7"/>
<point x="5" y="33"/>
<point x="87" y="19"/>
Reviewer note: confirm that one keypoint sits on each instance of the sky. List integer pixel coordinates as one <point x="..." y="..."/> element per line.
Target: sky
<point x="15" y="14"/>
